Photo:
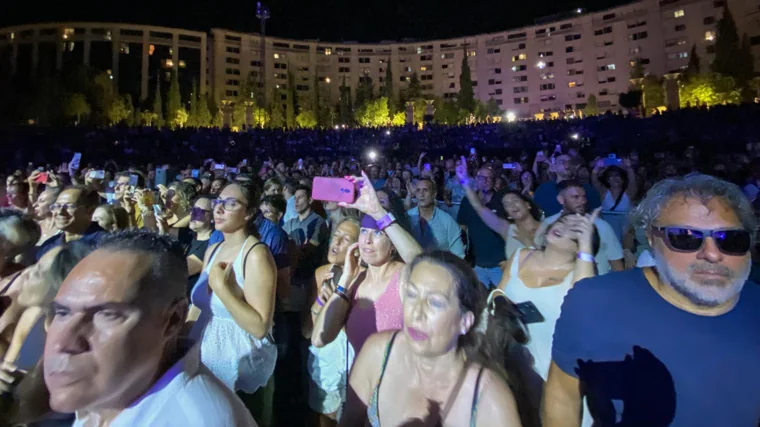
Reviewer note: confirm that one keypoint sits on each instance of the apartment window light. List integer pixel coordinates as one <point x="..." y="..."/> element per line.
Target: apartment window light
<point x="541" y="65"/>
<point x="709" y="36"/>
<point x="678" y="14"/>
<point x="328" y="52"/>
<point x="276" y="56"/>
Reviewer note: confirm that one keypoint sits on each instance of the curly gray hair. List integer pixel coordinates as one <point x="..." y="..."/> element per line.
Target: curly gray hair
<point x="698" y="186"/>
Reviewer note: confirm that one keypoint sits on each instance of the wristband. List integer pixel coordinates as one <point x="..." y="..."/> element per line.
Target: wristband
<point x="585" y="257"/>
<point x="386" y="221"/>
<point x="319" y="302"/>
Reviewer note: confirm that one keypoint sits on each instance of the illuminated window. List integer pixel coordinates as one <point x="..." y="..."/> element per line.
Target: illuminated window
<point x="571" y="84"/>
<point x="13" y="36"/>
<point x="709" y="36"/>
<point x="472" y="53"/>
<point x="520" y="57"/>
<point x="151" y="49"/>
<point x="541" y="65"/>
<point x="328" y="51"/>
<point x="678" y="13"/>
<point x="276" y="56"/>
<point x="68" y="32"/>
<point x="182" y="64"/>
<point x="423" y="68"/>
<point x="168" y="63"/>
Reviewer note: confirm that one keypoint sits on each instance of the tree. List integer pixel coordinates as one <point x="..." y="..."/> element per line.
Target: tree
<point x="694" y="67"/>
<point x="306" y="119"/>
<point x="217" y="119"/>
<point x="446" y="112"/>
<point x="147" y="117"/>
<point x="76" y="105"/>
<point x="192" y="119"/>
<point x="130" y="119"/>
<point x="373" y="113"/>
<point x="276" y="112"/>
<point x="727" y="50"/>
<point x="398" y="119"/>
<point x="746" y="68"/>
<point x="592" y="106"/>
<point x="365" y="91"/>
<point x="492" y="108"/>
<point x="158" y="108"/>
<point x="181" y="117"/>
<point x="466" y="98"/>
<point x="414" y="90"/>
<point x="204" y="115"/>
<point x="637" y="69"/>
<point x="345" y="104"/>
<point x="239" y="114"/>
<point x="104" y="98"/>
<point x="388" y="88"/>
<point x="630" y="100"/>
<point x="173" y="100"/>
<point x="653" y="94"/>
<point x="118" y="111"/>
<point x="709" y="89"/>
<point x="290" y="106"/>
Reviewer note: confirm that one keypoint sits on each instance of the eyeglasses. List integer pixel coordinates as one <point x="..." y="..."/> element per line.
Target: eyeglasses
<point x="228" y="204"/>
<point x="485" y="178"/>
<point x="60" y="206"/>
<point x="736" y="242"/>
<point x="198" y="214"/>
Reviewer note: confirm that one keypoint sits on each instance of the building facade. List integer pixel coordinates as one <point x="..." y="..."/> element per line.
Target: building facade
<point x="553" y="65"/>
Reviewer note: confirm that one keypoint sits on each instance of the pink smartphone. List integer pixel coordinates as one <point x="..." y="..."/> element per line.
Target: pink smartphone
<point x="333" y="190"/>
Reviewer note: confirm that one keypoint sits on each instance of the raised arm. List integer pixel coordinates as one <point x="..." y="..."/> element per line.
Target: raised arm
<point x="498" y="225"/>
<point x="23" y="328"/>
<point x="368" y="203"/>
<point x="332" y="316"/>
<point x="598" y="169"/>
<point x="633" y="187"/>
<point x="252" y="308"/>
<point x="585" y="266"/>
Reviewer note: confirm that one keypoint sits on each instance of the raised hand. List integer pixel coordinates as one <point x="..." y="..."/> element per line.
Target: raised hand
<point x="367" y="202"/>
<point x="462" y="171"/>
<point x="351" y="266"/>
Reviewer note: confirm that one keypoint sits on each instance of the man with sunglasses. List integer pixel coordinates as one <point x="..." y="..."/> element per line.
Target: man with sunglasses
<point x="72" y="215"/>
<point x="676" y="344"/>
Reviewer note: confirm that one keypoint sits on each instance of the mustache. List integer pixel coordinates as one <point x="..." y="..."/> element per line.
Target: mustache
<point x="707" y="268"/>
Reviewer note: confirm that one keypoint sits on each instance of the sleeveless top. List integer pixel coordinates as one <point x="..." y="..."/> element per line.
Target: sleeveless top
<point x="384" y="314"/>
<point x="373" y="411"/>
<point x="240" y="360"/>
<point x="548" y="301"/>
<point x="609" y="202"/>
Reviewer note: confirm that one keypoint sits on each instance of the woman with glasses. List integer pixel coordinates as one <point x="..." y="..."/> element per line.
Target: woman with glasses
<point x="202" y="225"/>
<point x="233" y="301"/>
<point x="367" y="299"/>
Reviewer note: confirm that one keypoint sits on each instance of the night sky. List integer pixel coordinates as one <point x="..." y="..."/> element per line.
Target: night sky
<point x="330" y="20"/>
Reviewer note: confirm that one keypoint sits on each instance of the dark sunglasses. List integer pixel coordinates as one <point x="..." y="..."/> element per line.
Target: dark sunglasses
<point x="734" y="242"/>
<point x="198" y="214"/>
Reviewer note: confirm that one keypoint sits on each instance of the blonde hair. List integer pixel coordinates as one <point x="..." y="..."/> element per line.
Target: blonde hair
<point x="117" y="216"/>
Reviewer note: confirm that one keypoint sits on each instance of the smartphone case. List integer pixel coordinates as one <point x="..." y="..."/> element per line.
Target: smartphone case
<point x="333" y="190"/>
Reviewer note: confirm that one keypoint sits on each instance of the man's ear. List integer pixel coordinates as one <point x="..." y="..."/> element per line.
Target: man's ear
<point x="175" y="319"/>
<point x="560" y="199"/>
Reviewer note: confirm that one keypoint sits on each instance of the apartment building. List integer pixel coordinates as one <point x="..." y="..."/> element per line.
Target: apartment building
<point x="553" y="65"/>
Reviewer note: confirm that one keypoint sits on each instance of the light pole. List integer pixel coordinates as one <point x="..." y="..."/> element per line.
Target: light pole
<point x="262" y="12"/>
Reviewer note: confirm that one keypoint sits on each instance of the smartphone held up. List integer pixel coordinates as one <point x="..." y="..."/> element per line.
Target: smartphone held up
<point x="333" y="190"/>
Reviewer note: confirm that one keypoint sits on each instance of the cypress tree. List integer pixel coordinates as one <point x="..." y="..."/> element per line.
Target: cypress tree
<point x="158" y="105"/>
<point x="466" y="98"/>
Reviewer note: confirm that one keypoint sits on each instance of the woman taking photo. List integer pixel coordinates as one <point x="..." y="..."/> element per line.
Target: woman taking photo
<point x="445" y="367"/>
<point x="367" y="300"/>
<point x="175" y="220"/>
<point x="233" y="301"/>
<point x="327" y="365"/>
<point x="543" y="277"/>
<point x="524" y="216"/>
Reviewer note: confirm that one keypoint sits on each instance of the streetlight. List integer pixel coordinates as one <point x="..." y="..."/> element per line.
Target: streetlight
<point x="327" y="80"/>
<point x="511" y="116"/>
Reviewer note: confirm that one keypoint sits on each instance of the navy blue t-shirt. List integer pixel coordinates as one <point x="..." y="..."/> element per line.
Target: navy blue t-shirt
<point x="645" y="362"/>
<point x="546" y="198"/>
<point x="487" y="245"/>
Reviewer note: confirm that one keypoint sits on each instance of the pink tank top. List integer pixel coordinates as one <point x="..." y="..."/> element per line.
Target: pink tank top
<point x="385" y="314"/>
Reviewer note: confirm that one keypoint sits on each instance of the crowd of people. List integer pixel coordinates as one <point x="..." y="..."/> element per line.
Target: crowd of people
<point x="567" y="273"/>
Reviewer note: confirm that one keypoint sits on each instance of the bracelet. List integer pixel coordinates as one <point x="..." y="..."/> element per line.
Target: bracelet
<point x="319" y="302"/>
<point x="585" y="257"/>
<point x="340" y="289"/>
<point x="315" y="312"/>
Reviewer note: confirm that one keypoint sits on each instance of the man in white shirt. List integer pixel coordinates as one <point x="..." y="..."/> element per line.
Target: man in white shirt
<point x="113" y="354"/>
<point x="572" y="196"/>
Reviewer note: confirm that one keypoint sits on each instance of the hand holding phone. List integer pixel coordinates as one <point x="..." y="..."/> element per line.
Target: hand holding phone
<point x="42" y="178"/>
<point x="333" y="190"/>
<point x="529" y="313"/>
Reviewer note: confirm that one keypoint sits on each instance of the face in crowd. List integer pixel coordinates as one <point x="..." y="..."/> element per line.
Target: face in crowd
<point x="95" y="353"/>
<point x="302" y="201"/>
<point x="434" y="318"/>
<point x="42" y="205"/>
<point x="232" y="211"/>
<point x="515" y="207"/>
<point x="375" y="246"/>
<point x="345" y="235"/>
<point x="70" y="212"/>
<point x="201" y="215"/>
<point x="573" y="200"/>
<point x="708" y="274"/>
<point x="425" y="193"/>
<point x="270" y="212"/>
<point x="485" y="180"/>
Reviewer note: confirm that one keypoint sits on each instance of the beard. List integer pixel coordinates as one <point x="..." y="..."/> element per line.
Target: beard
<point x="703" y="293"/>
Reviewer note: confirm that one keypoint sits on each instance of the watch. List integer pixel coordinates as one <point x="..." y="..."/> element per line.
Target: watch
<point x="386" y="221"/>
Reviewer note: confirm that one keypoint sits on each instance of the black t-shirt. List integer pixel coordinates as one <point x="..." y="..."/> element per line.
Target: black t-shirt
<point x="486" y="245"/>
<point x="197" y="248"/>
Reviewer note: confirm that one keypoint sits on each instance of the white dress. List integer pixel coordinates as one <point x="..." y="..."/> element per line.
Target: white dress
<point x="548" y="301"/>
<point x="239" y="359"/>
